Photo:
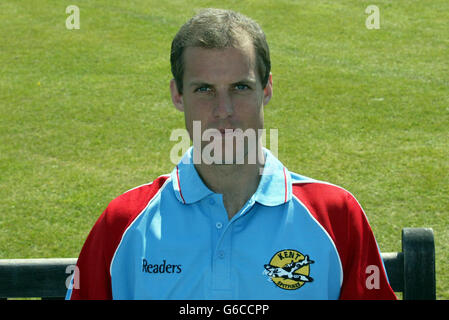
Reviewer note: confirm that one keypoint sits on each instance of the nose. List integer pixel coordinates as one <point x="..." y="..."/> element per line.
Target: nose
<point x="224" y="107"/>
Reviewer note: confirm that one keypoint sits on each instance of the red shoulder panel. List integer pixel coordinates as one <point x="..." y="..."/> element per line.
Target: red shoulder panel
<point x="92" y="274"/>
<point x="341" y="216"/>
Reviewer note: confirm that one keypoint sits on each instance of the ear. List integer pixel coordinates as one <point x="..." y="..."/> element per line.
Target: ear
<point x="268" y="90"/>
<point x="176" y="97"/>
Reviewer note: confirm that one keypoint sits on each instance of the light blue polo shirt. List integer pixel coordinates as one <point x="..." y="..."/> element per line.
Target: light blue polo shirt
<point x="182" y="245"/>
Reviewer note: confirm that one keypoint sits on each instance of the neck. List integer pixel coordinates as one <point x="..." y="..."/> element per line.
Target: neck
<point x="236" y="182"/>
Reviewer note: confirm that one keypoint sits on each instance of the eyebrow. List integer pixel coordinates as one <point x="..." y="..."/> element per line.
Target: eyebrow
<point x="250" y="81"/>
<point x="199" y="84"/>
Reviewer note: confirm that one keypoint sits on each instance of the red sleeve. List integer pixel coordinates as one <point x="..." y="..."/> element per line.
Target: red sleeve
<point x="340" y="214"/>
<point x="92" y="278"/>
<point x="92" y="275"/>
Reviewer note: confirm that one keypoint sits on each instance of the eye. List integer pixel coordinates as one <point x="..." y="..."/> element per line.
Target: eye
<point x="203" y="89"/>
<point x="241" y="87"/>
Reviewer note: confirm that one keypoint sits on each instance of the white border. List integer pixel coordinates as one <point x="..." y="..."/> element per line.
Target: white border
<point x="324" y="230"/>
<point x="135" y="219"/>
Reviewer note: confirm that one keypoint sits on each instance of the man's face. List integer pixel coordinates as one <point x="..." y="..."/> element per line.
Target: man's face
<point x="222" y="90"/>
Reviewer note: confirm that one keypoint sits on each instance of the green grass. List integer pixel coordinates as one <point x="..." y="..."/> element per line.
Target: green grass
<point x="86" y="114"/>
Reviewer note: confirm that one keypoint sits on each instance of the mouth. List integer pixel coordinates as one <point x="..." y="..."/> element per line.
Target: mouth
<point x="225" y="131"/>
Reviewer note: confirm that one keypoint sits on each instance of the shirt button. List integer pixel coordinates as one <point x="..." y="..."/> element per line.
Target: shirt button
<point x="221" y="254"/>
<point x="211" y="201"/>
<point x="219" y="225"/>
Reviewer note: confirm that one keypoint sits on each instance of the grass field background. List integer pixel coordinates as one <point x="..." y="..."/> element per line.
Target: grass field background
<point x="86" y="115"/>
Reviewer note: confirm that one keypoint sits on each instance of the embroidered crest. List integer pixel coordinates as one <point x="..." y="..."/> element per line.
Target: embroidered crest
<point x="289" y="269"/>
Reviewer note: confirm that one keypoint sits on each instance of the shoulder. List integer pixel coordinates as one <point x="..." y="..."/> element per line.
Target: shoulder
<point x="342" y="217"/>
<point x="318" y="193"/>
<point x="126" y="207"/>
<point x="332" y="206"/>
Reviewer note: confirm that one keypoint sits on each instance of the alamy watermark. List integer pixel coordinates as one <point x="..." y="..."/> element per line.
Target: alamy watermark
<point x="373" y="279"/>
<point x="73" y="20"/>
<point x="73" y="272"/>
<point x="228" y="146"/>
<point x="373" y="20"/>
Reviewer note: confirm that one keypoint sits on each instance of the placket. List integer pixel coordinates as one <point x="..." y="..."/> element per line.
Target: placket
<point x="222" y="285"/>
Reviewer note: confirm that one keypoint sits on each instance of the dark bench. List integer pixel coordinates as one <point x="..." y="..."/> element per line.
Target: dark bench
<point x="411" y="271"/>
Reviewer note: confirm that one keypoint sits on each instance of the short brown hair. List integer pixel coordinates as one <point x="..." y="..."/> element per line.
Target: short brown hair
<point x="218" y="29"/>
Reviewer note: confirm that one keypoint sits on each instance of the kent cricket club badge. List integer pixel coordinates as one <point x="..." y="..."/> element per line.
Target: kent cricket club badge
<point x="289" y="269"/>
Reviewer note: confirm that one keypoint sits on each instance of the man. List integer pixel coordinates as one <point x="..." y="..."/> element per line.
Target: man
<point x="224" y="229"/>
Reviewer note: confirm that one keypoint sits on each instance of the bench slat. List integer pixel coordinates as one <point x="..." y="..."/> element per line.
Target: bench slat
<point x="25" y="278"/>
<point x="411" y="271"/>
<point x="394" y="264"/>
